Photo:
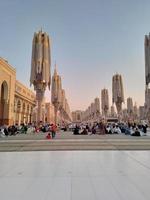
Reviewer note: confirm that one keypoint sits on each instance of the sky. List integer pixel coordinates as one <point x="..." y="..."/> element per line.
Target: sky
<point x="91" y="40"/>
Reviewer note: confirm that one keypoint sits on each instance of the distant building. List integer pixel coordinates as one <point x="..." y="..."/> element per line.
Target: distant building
<point x="77" y="116"/>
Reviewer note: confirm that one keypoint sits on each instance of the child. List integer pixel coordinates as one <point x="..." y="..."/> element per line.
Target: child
<point x="48" y="136"/>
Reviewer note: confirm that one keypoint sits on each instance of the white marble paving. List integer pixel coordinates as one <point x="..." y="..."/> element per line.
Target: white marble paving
<point x="75" y="175"/>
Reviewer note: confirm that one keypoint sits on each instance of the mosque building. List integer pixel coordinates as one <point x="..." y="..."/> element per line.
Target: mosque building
<point x="16" y="100"/>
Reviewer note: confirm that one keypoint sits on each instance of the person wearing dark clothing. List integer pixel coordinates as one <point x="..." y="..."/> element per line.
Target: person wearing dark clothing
<point x="25" y="129"/>
<point x="144" y="127"/>
<point x="6" y="131"/>
<point x="136" y="133"/>
<point x="84" y="132"/>
<point x="76" y="131"/>
<point x="13" y="130"/>
<point x="87" y="128"/>
<point x="93" y="130"/>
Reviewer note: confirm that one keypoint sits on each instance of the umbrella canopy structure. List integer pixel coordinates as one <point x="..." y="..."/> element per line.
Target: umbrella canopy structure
<point x="97" y="107"/>
<point x="147" y="59"/>
<point x="117" y="92"/>
<point x="129" y="106"/>
<point x="58" y="98"/>
<point x="56" y="92"/>
<point x="104" y="102"/>
<point x="40" y="68"/>
<point x="112" y="111"/>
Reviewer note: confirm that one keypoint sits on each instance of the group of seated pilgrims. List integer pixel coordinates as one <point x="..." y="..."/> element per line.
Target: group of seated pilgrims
<point x="114" y="128"/>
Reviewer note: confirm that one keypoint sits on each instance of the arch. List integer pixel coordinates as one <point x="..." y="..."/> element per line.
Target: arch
<point x="3" y="103"/>
<point x="78" y="117"/>
<point x="4" y="91"/>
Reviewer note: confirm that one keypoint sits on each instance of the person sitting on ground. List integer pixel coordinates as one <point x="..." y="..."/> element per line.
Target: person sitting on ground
<point x="108" y="129"/>
<point x="48" y="136"/>
<point x="6" y="131"/>
<point x="84" y="132"/>
<point x="13" y="130"/>
<point x="113" y="128"/>
<point x="2" y="134"/>
<point x="24" y="128"/>
<point x="117" y="130"/>
<point x="43" y="129"/>
<point x="93" y="130"/>
<point x="76" y="130"/>
<point x="87" y="128"/>
<point x="65" y="128"/>
<point x="136" y="132"/>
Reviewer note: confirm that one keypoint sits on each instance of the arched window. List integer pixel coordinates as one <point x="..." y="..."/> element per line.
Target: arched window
<point x="78" y="117"/>
<point x="4" y="91"/>
<point x="24" y="108"/>
<point x="19" y="106"/>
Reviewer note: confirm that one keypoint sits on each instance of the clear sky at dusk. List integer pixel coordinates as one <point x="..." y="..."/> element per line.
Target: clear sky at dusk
<point x="91" y="41"/>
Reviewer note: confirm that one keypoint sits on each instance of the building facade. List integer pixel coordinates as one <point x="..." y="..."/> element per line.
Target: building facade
<point x="16" y="100"/>
<point x="24" y="102"/>
<point x="7" y="88"/>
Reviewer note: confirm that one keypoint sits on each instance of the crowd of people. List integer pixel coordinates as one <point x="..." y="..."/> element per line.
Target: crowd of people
<point x="101" y="128"/>
<point x="13" y="130"/>
<point x="50" y="129"/>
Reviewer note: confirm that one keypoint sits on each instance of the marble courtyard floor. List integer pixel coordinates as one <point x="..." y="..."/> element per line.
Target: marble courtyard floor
<point x="75" y="175"/>
<point x="68" y="141"/>
<point x="31" y="167"/>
